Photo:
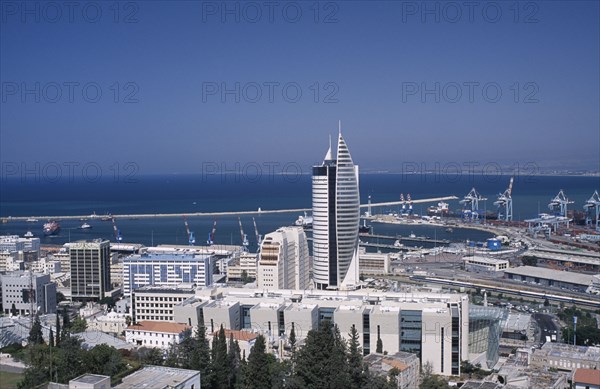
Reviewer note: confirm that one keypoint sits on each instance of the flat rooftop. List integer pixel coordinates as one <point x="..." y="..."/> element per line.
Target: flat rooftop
<point x="550" y="274"/>
<point x="90" y="378"/>
<point x="157" y="377"/>
<point x="490" y="261"/>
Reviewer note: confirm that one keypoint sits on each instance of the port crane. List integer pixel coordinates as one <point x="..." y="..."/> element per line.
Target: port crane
<point x="561" y="202"/>
<point x="593" y="203"/>
<point x="190" y="234"/>
<point x="410" y="204"/>
<point x="258" y="236"/>
<point x="117" y="232"/>
<point x="472" y="199"/>
<point x="211" y="235"/>
<point x="243" y="236"/>
<point x="504" y="200"/>
<point x="403" y="202"/>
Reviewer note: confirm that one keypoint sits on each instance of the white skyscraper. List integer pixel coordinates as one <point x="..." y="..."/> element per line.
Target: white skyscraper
<point x="336" y="217"/>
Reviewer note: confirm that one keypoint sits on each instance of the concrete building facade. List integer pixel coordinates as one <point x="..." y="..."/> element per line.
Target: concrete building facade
<point x="283" y="260"/>
<point x="90" y="269"/>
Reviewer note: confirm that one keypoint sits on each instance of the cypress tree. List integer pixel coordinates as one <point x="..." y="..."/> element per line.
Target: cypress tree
<point x="233" y="362"/>
<point x="379" y="348"/>
<point x="35" y="334"/>
<point x="258" y="372"/>
<point x="51" y="338"/>
<point x="219" y="360"/>
<point x="57" y="329"/>
<point x="355" y="359"/>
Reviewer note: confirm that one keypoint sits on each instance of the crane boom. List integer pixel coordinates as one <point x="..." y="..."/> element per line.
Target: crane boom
<point x="117" y="232"/>
<point x="190" y="234"/>
<point x="258" y="236"/>
<point x="211" y="235"/>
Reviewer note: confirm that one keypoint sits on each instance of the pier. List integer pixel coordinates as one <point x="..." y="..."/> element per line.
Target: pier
<point x="213" y="214"/>
<point x="407" y="238"/>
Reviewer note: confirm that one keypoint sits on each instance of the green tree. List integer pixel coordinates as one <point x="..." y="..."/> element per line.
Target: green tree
<point x="430" y="380"/>
<point x="152" y="356"/>
<point x="104" y="359"/>
<point x="51" y="338"/>
<point x="233" y="361"/>
<point x="201" y="357"/>
<point x="79" y="325"/>
<point x="379" y="348"/>
<point x="546" y="302"/>
<point x="13" y="310"/>
<point x="219" y="360"/>
<point x="258" y="370"/>
<point x="292" y="339"/>
<point x="57" y="329"/>
<point x="321" y="362"/>
<point x="35" y="334"/>
<point x="355" y="360"/>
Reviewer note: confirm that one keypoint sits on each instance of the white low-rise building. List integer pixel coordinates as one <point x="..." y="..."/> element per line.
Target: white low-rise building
<point x="156" y="334"/>
<point x="112" y="322"/>
<point x="479" y="263"/>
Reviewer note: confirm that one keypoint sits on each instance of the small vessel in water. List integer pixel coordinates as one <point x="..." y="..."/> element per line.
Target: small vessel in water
<point x="51" y="228"/>
<point x="32" y="220"/>
<point x="304" y="221"/>
<point x="28" y="234"/>
<point x="85" y="226"/>
<point x="449" y="229"/>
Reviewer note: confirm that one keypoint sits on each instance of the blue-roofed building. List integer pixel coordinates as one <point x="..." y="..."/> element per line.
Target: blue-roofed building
<point x="168" y="269"/>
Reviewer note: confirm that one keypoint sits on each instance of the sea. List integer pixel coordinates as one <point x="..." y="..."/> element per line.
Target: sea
<point x="155" y="194"/>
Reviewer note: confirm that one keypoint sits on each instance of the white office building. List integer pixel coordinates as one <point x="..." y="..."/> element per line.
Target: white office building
<point x="284" y="260"/>
<point x="336" y="217"/>
<point x="166" y="269"/>
<point x="25" y="290"/>
<point x="434" y="326"/>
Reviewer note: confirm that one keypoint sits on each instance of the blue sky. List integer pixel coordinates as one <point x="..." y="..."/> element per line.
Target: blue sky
<point x="368" y="60"/>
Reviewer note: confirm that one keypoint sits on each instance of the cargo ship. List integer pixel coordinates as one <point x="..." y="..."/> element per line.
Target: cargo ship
<point x="51" y="228"/>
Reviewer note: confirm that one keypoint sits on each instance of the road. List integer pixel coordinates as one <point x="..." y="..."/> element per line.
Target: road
<point x="547" y="326"/>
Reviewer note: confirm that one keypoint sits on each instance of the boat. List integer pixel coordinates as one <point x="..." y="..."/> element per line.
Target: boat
<point x="51" y="228"/>
<point x="412" y="235"/>
<point x="28" y="234"/>
<point x="32" y="220"/>
<point x="449" y="229"/>
<point x="440" y="210"/>
<point x="364" y="229"/>
<point x="85" y="226"/>
<point x="304" y="221"/>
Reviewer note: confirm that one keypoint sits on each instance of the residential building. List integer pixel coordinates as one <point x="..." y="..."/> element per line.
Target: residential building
<point x="586" y="379"/>
<point x="284" y="262"/>
<point x="156" y="303"/>
<point x="245" y="262"/>
<point x="373" y="263"/>
<point x="406" y="364"/>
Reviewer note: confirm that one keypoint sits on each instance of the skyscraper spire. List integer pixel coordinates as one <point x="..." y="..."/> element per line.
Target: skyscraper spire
<point x="329" y="156"/>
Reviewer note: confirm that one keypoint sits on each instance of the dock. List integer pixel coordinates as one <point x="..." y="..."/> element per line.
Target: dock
<point x="407" y="238"/>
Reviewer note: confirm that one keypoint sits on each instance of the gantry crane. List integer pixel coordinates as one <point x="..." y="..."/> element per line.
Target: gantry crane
<point x="243" y="236"/>
<point x="117" y="232"/>
<point x="593" y="204"/>
<point x="258" y="236"/>
<point x="561" y="202"/>
<point x="190" y="234"/>
<point x="211" y="235"/>
<point x="471" y="200"/>
<point x="504" y="200"/>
